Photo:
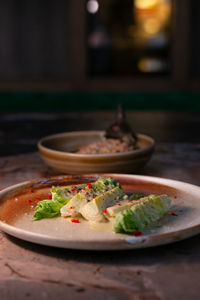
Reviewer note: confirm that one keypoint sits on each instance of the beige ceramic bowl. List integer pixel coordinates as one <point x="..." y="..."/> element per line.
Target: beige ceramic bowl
<point x="58" y="152"/>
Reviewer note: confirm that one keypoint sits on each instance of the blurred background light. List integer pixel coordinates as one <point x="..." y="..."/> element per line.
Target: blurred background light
<point x="151" y="26"/>
<point x="145" y="4"/>
<point x="92" y="6"/>
<point x="151" y="65"/>
<point x="122" y="33"/>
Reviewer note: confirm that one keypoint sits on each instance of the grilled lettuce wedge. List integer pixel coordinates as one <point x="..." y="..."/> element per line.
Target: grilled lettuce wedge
<point x="60" y="196"/>
<point x="93" y="210"/>
<point x="141" y="215"/>
<point x="87" y="194"/>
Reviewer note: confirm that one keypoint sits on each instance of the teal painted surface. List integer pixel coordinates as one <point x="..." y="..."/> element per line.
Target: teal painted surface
<point x="68" y="101"/>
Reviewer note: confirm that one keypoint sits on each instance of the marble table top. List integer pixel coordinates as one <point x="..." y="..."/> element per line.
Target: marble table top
<point x="30" y="271"/>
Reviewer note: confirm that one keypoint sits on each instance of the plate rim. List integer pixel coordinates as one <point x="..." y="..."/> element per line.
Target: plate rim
<point x="125" y="242"/>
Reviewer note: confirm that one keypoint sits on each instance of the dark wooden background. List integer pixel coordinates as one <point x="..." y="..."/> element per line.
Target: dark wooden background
<point x="19" y="133"/>
<point x="44" y="47"/>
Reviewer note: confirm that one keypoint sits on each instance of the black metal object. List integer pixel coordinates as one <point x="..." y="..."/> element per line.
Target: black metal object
<point x="120" y="129"/>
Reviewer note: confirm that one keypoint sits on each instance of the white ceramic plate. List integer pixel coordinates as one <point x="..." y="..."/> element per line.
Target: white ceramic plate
<point x="17" y="204"/>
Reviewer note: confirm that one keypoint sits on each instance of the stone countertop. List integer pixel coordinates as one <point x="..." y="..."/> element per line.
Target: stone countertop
<point x="30" y="271"/>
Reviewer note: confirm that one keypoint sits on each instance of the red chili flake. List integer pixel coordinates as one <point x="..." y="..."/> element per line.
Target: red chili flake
<point x="105" y="211"/>
<point x="29" y="201"/>
<point x="75" y="220"/>
<point x="89" y="186"/>
<point x="30" y="191"/>
<point x="119" y="204"/>
<point x="175" y="197"/>
<point x="74" y="190"/>
<point x="174" y="214"/>
<point x="72" y="207"/>
<point x="50" y="197"/>
<point x="38" y="198"/>
<point x="137" y="233"/>
<point x="69" y="192"/>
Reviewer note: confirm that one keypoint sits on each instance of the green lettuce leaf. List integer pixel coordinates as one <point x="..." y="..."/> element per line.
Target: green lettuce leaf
<point x="60" y="197"/>
<point x="104" y="183"/>
<point x="47" y="209"/>
<point x="142" y="215"/>
<point x="136" y="196"/>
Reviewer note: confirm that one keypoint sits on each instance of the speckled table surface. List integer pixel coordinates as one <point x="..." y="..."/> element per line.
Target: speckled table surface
<point x="30" y="271"/>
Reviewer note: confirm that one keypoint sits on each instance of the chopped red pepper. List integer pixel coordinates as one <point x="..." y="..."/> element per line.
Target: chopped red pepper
<point x="74" y="190"/>
<point x="175" y="197"/>
<point x="83" y="189"/>
<point x="29" y="201"/>
<point x="50" y="197"/>
<point x="30" y="191"/>
<point x="38" y="198"/>
<point x="69" y="192"/>
<point x="72" y="207"/>
<point x="89" y="186"/>
<point x="75" y="220"/>
<point x="136" y="199"/>
<point x="174" y="214"/>
<point x="105" y="211"/>
<point x="119" y="204"/>
<point x="129" y="200"/>
<point x="137" y="233"/>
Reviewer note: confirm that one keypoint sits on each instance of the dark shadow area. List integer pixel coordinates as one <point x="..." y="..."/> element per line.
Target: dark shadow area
<point x="182" y="251"/>
<point x="21" y="132"/>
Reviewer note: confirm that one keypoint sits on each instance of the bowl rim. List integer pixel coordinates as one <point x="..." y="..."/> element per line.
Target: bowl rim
<point x="43" y="148"/>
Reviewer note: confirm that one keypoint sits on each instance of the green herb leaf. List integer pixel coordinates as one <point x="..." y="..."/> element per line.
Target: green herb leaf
<point x="47" y="209"/>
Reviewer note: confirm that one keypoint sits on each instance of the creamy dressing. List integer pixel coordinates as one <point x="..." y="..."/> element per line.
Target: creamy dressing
<point x="102" y="227"/>
<point x="63" y="228"/>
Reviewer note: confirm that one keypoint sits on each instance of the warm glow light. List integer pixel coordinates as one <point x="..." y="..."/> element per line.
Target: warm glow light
<point x="92" y="6"/>
<point x="150" y="65"/>
<point x="151" y="17"/>
<point x="145" y="4"/>
<point x="152" y="26"/>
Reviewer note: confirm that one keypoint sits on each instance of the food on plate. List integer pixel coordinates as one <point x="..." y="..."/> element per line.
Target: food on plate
<point x="104" y="201"/>
<point x="94" y="209"/>
<point x="51" y="208"/>
<point x="142" y="214"/>
<point x="89" y="193"/>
